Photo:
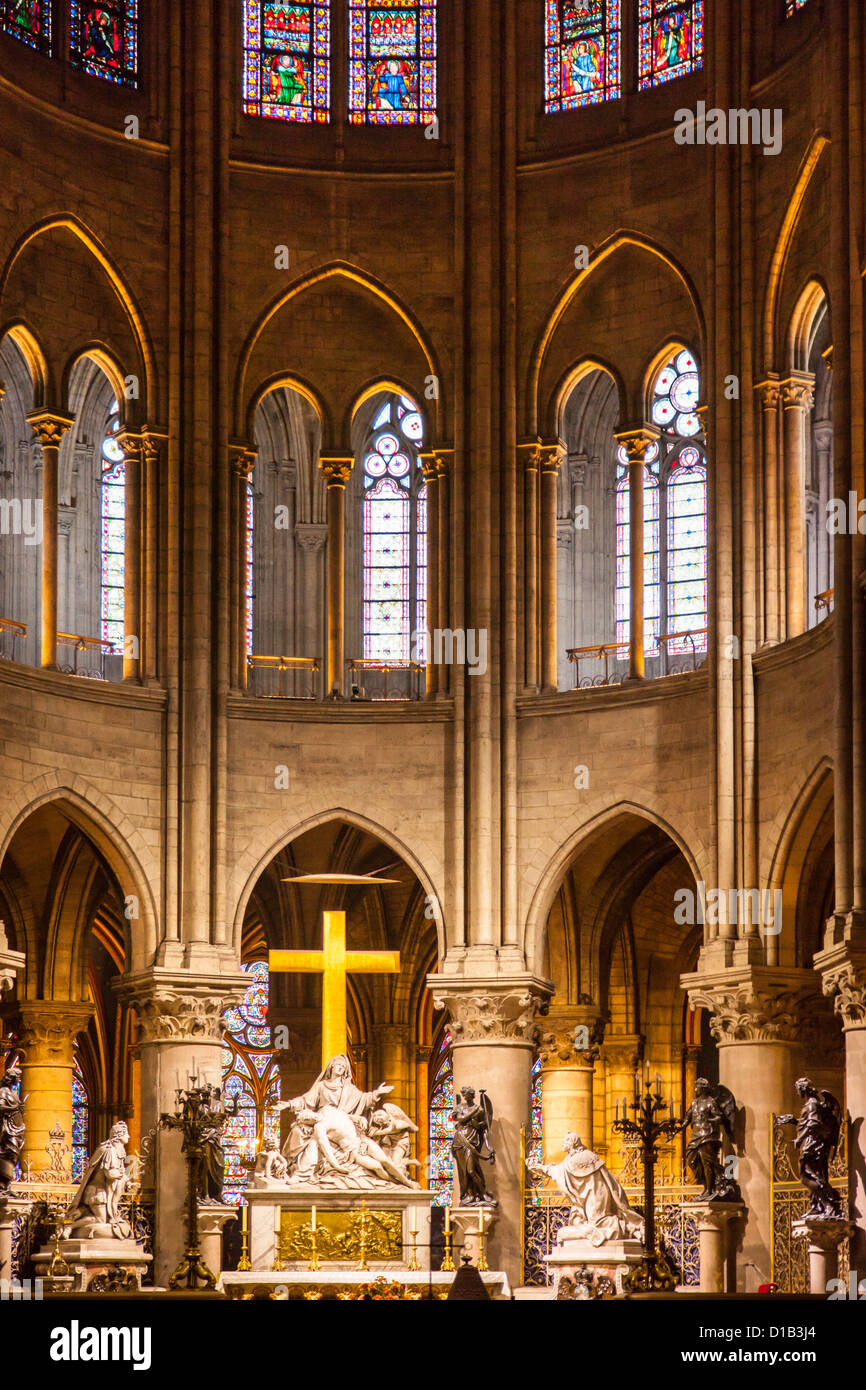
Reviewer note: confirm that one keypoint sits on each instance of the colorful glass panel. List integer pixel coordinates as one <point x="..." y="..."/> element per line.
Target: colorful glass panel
<point x="249" y="561"/>
<point x="535" y="1146"/>
<point x="671" y="40"/>
<point x="392" y="62"/>
<point x="29" y="21"/>
<point x="251" y="1074"/>
<point x="80" y="1124"/>
<point x="582" y="53"/>
<point x="103" y="40"/>
<point x="440" y="1177"/>
<point x="287" y="60"/>
<point x="112" y="535"/>
<point x="687" y="550"/>
<point x="394" y="556"/>
<point x="676" y="394"/>
<point x="651" y="556"/>
<point x="792" y="6"/>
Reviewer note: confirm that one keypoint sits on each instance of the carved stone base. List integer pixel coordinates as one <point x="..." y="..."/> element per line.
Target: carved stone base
<point x="389" y="1240"/>
<point x="825" y="1234"/>
<point x="578" y="1258"/>
<point x="86" y="1260"/>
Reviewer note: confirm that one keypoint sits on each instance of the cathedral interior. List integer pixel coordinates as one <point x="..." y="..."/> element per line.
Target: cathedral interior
<point x="431" y="450"/>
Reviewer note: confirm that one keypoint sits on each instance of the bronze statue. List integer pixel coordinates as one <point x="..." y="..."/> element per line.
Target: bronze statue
<point x="818" y="1128"/>
<point x="711" y="1117"/>
<point x="213" y="1162"/>
<point x="11" y="1124"/>
<point x="472" y="1121"/>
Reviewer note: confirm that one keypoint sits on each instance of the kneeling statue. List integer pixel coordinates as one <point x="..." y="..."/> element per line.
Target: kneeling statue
<point x="600" y="1209"/>
<point x="94" y="1213"/>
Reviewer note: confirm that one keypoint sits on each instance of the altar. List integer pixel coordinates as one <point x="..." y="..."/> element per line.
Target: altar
<point x="387" y="1228"/>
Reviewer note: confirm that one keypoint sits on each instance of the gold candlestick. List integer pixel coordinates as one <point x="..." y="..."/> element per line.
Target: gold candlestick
<point x="413" y="1264"/>
<point x="448" y="1259"/>
<point x="278" y="1260"/>
<point x="244" y="1265"/>
<point x="364" y="1218"/>
<point x="314" y="1232"/>
<point x="482" y="1258"/>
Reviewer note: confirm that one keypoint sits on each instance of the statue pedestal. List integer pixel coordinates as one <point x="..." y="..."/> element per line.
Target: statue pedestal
<point x="714" y="1235"/>
<point x="338" y="1218"/>
<point x="824" y="1234"/>
<point x="211" y="1221"/>
<point x="85" y="1259"/>
<point x="613" y="1260"/>
<point x="465" y="1223"/>
<point x="12" y="1208"/>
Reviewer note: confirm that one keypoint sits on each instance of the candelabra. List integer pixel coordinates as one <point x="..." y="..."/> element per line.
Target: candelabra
<point x="200" y="1114"/>
<point x="414" y="1264"/>
<point x="447" y="1265"/>
<point x="654" y="1274"/>
<point x="244" y="1265"/>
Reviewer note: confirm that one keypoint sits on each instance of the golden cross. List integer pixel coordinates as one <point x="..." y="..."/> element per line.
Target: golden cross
<point x="334" y="963"/>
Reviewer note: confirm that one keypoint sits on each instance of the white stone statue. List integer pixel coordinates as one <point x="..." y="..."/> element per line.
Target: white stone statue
<point x="345" y="1138"/>
<point x="271" y="1170"/>
<point x="94" y="1213"/>
<point x="600" y="1209"/>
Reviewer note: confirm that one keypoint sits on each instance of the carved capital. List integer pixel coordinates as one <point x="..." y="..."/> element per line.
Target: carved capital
<point x="551" y="457"/>
<point x="49" y="427"/>
<point x="750" y="1010"/>
<point x="482" y="1012"/>
<point x="132" y="445"/>
<point x="49" y="1028"/>
<point x="798" y="393"/>
<point x="311" y="535"/>
<point x="637" y="443"/>
<point x="769" y="393"/>
<point x="573" y="1037"/>
<point x="11" y="962"/>
<point x="243" y="460"/>
<point x="173" y="1007"/>
<point x="845" y="984"/>
<point x="337" y="471"/>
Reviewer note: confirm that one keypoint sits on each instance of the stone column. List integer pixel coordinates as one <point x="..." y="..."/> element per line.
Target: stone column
<point x="714" y="1223"/>
<point x="551" y="459"/>
<point x="531" y="453"/>
<point x="770" y="395"/>
<point x="757" y="1014"/>
<point x="843" y="973"/>
<point x="392" y="1062"/>
<point x="636" y="443"/>
<point x="180" y="1032"/>
<point x="132" y="447"/>
<point x="49" y="428"/>
<point x="153" y="443"/>
<point x="824" y="1237"/>
<point x="310" y="539"/>
<point x="797" y="401"/>
<point x="243" y="461"/>
<point x="621" y="1054"/>
<point x="430" y="466"/>
<point x="568" y="1054"/>
<point x="336" y="471"/>
<point x="444" y="470"/>
<point x="495" y="1035"/>
<point x="49" y="1028"/>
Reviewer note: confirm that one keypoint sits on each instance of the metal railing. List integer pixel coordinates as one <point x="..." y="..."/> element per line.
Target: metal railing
<point x="663" y="644"/>
<point x="376" y="680"/>
<point x="824" y="602"/>
<point x="89" y="648"/>
<point x="9" y="634"/>
<point x="606" y="652"/>
<point x="295" y="677"/>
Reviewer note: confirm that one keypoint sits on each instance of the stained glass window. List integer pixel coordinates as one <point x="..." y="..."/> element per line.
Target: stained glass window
<point x="394" y="536"/>
<point x="112" y="533"/>
<point x="792" y="6"/>
<point x="650" y="551"/>
<point x="675" y="518"/>
<point x="392" y="62"/>
<point x="249" y="560"/>
<point x="250" y="1073"/>
<point x="441" y="1174"/>
<point x="103" y="40"/>
<point x="582" y="57"/>
<point x="535" y="1145"/>
<point x="29" y="21"/>
<point x="687" y="548"/>
<point x="80" y="1124"/>
<point x="671" y="40"/>
<point x="287" y="60"/>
